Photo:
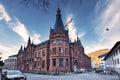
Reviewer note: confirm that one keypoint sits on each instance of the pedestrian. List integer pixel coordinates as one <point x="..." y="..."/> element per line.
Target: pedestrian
<point x="4" y="76"/>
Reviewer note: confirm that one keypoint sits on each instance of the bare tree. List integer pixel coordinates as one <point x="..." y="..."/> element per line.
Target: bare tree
<point x="43" y="4"/>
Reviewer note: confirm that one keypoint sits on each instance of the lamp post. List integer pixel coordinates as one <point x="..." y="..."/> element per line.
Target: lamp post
<point x="1" y="67"/>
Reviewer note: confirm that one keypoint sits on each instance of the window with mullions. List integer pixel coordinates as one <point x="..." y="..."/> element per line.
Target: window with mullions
<point x="43" y="63"/>
<point x="43" y="52"/>
<point x="53" y="62"/>
<point x="54" y="50"/>
<point x="61" y="62"/>
<point x="35" y="55"/>
<point x="35" y="64"/>
<point x="38" y="63"/>
<point x="54" y="42"/>
<point x="116" y="52"/>
<point x="39" y="53"/>
<point x="67" y="62"/>
<point x="60" y="42"/>
<point x="118" y="61"/>
<point x="60" y="50"/>
<point x="66" y="50"/>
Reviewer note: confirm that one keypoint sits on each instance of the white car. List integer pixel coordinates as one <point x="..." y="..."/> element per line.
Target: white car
<point x="15" y="75"/>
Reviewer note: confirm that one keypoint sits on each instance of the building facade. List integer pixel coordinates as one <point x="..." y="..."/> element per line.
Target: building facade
<point x="56" y="54"/>
<point x="112" y="60"/>
<point x="102" y="61"/>
<point x="11" y="63"/>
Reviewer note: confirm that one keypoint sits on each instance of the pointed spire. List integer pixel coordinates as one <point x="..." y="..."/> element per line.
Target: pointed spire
<point x="77" y="38"/>
<point x="29" y="41"/>
<point x="21" y="49"/>
<point x="58" y="12"/>
<point x="59" y="27"/>
<point x="79" y="41"/>
<point x="24" y="48"/>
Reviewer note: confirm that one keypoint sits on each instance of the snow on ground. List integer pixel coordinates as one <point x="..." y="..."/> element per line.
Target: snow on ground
<point x="84" y="76"/>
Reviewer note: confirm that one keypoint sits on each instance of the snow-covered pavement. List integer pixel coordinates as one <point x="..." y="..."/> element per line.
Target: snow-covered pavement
<point x="83" y="76"/>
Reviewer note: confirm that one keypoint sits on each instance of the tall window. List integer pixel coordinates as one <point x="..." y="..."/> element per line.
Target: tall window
<point x="118" y="61"/>
<point x="116" y="52"/>
<point x="43" y="63"/>
<point x="66" y="50"/>
<point x="35" y="64"/>
<point x="43" y="52"/>
<point x="39" y="53"/>
<point x="60" y="42"/>
<point x="54" y="50"/>
<point x="53" y="62"/>
<point x="115" y="61"/>
<point x="60" y="50"/>
<point x="67" y="62"/>
<point x="54" y="42"/>
<point x="61" y="62"/>
<point x="38" y="63"/>
<point x="35" y="55"/>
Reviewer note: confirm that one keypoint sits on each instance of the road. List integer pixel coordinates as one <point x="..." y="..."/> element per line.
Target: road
<point x="83" y="76"/>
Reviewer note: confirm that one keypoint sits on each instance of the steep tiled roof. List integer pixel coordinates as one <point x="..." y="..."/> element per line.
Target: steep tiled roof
<point x="43" y="43"/>
<point x="112" y="50"/>
<point x="13" y="55"/>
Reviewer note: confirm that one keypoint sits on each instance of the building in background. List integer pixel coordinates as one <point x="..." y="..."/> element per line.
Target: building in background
<point x="56" y="54"/>
<point x="102" y="61"/>
<point x="11" y="62"/>
<point x="93" y="66"/>
<point x="112" y="60"/>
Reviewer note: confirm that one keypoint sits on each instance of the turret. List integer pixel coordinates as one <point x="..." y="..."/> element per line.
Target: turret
<point x="59" y="27"/>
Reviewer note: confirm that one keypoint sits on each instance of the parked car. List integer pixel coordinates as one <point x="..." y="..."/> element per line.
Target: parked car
<point x="13" y="75"/>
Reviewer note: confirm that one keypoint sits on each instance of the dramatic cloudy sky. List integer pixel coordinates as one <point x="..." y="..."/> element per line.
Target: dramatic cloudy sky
<point x="90" y="20"/>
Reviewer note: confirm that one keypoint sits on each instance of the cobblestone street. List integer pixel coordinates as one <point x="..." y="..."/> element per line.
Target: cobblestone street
<point x="84" y="76"/>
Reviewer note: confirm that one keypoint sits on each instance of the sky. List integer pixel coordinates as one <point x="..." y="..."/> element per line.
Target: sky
<point x="91" y="18"/>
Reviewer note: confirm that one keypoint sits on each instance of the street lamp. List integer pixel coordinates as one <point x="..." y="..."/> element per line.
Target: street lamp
<point x="1" y="67"/>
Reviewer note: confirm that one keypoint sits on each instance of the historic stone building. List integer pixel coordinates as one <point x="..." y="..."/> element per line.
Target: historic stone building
<point x="56" y="54"/>
<point x="11" y="62"/>
<point x="112" y="59"/>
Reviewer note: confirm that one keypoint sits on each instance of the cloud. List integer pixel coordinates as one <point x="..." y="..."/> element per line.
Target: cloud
<point x="108" y="17"/>
<point x="7" y="51"/>
<point x="3" y="14"/>
<point x="18" y="28"/>
<point x="36" y="39"/>
<point x="71" y="28"/>
<point x="22" y="31"/>
<point x="80" y="35"/>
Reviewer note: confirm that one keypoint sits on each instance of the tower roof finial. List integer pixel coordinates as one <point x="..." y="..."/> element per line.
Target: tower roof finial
<point x="58" y="5"/>
<point x="58" y="12"/>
